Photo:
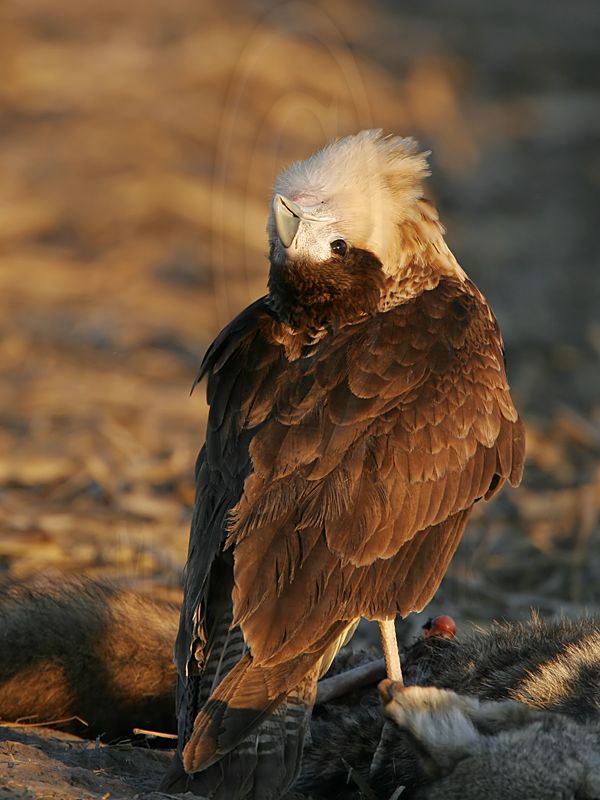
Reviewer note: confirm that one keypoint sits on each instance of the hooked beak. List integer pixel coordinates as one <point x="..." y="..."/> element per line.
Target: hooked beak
<point x="287" y="218"/>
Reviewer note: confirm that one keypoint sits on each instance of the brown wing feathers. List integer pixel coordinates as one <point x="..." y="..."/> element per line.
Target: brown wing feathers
<point x="248" y="694"/>
<point x="349" y="474"/>
<point x="433" y="433"/>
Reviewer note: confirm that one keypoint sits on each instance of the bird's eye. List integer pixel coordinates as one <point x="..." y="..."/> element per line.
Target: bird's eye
<point x="339" y="247"/>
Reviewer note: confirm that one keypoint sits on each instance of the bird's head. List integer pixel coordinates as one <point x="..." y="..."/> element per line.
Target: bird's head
<point x="349" y="223"/>
<point x="351" y="194"/>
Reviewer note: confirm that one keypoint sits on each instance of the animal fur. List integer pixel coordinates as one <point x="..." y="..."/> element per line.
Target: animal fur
<point x="511" y="713"/>
<point x="89" y="650"/>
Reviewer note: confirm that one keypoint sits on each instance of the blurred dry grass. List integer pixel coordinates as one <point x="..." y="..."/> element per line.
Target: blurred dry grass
<point x="137" y="148"/>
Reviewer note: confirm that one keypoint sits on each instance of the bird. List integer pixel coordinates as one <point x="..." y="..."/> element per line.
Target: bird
<point x="357" y="412"/>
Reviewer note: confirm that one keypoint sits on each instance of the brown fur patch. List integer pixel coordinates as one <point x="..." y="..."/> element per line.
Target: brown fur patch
<point x="88" y="650"/>
<point x="46" y="680"/>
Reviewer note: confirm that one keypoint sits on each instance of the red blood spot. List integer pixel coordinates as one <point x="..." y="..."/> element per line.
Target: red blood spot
<point x="443" y="626"/>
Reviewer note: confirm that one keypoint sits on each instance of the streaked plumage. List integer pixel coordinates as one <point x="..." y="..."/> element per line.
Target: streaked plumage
<point x="357" y="412"/>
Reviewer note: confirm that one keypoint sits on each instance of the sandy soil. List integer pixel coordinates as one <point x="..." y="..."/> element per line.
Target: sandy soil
<point x="49" y="765"/>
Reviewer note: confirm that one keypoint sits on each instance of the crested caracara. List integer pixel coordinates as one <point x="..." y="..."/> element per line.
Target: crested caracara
<point x="357" y="412"/>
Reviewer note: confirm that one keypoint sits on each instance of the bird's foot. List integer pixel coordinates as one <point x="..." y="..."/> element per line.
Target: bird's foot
<point x="389" y="690"/>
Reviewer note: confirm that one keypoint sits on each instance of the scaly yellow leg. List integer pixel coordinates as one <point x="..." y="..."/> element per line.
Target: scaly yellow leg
<point x="390" y="650"/>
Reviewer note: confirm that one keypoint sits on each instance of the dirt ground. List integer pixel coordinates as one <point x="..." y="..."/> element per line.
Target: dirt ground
<point x="138" y="146"/>
<point x="50" y="765"/>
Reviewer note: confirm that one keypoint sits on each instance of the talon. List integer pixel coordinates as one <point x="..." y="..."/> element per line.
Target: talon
<point x="384" y="687"/>
<point x="389" y="690"/>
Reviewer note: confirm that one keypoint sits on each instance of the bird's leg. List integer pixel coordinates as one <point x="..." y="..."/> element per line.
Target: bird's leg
<point x="392" y="683"/>
<point x="390" y="650"/>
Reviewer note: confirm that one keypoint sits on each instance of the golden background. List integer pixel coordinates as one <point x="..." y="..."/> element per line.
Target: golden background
<point x="138" y="145"/>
